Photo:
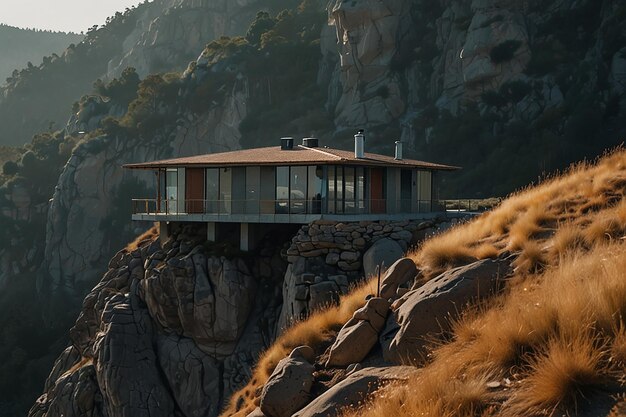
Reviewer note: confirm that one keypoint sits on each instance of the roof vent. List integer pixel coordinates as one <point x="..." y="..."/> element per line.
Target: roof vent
<point x="398" y="150"/>
<point x="359" y="145"/>
<point x="286" y="144"/>
<point x="310" y="142"/>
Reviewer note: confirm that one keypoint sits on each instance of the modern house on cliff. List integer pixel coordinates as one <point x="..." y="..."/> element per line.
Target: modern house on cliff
<point x="250" y="189"/>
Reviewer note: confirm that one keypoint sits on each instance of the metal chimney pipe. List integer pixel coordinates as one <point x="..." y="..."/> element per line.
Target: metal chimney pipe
<point x="398" y="150"/>
<point x="359" y="145"/>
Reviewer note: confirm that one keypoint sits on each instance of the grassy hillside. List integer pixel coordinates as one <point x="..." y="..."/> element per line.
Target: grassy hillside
<point x="18" y="47"/>
<point x="553" y="343"/>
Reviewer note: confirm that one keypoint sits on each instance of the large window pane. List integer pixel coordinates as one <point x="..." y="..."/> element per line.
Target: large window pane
<point x="425" y="190"/>
<point x="253" y="189"/>
<point x="239" y="190"/>
<point x="298" y="191"/>
<point x="360" y="190"/>
<point x="316" y="174"/>
<point x="268" y="190"/>
<point x="406" y="186"/>
<point x="161" y="191"/>
<point x="171" y="191"/>
<point x="282" y="190"/>
<point x="332" y="192"/>
<point x="349" y="189"/>
<point x="226" y="175"/>
<point x="212" y="190"/>
<point x="339" y="190"/>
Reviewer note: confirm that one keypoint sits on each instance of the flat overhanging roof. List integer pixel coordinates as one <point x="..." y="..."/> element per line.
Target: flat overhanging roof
<point x="299" y="155"/>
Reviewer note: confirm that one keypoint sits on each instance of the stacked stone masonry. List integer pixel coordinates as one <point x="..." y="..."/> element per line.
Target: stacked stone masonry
<point x="327" y="257"/>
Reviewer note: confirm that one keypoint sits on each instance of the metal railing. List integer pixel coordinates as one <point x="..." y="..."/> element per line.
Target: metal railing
<point x="283" y="206"/>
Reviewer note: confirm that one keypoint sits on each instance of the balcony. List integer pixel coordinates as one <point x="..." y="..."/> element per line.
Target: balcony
<point x="282" y="210"/>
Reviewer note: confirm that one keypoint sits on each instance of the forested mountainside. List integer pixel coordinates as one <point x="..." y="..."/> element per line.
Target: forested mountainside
<point x="161" y="35"/>
<point x="20" y="46"/>
<point x="507" y="90"/>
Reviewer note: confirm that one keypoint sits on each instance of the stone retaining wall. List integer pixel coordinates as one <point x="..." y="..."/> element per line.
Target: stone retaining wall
<point x="326" y="257"/>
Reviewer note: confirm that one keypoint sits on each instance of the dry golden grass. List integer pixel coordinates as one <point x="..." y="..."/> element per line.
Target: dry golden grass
<point x="149" y="234"/>
<point x="316" y="331"/>
<point x="561" y="376"/>
<point x="556" y="337"/>
<point x="551" y="339"/>
<point x="587" y="202"/>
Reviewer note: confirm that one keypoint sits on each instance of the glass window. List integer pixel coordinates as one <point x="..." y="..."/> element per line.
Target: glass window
<point x="316" y="174"/>
<point x="161" y="191"/>
<point x="212" y="190"/>
<point x="425" y="190"/>
<point x="239" y="190"/>
<point x="268" y="190"/>
<point x="332" y="194"/>
<point x="406" y="186"/>
<point x="171" y="191"/>
<point x="349" y="189"/>
<point x="360" y="190"/>
<point x="226" y="175"/>
<point x="282" y="190"/>
<point x="253" y="189"/>
<point x="298" y="189"/>
<point x="339" y="190"/>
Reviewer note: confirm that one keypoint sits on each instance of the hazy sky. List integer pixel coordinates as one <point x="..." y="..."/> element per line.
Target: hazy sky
<point x="63" y="15"/>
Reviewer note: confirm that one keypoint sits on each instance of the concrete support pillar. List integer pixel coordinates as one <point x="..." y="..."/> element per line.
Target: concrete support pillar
<point x="210" y="232"/>
<point x="244" y="237"/>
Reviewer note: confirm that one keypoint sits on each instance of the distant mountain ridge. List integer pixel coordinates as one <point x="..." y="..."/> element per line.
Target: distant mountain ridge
<point x="20" y="46"/>
<point x="153" y="37"/>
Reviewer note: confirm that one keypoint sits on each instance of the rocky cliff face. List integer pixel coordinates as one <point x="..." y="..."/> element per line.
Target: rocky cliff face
<point x="170" y="33"/>
<point x="438" y="74"/>
<point x="184" y="323"/>
<point x="94" y="187"/>
<point x="169" y="330"/>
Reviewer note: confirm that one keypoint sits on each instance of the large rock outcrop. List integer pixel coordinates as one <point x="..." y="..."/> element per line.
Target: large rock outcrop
<point x="289" y="387"/>
<point x="169" y="330"/>
<point x="354" y="390"/>
<point x="431" y="308"/>
<point x="360" y="334"/>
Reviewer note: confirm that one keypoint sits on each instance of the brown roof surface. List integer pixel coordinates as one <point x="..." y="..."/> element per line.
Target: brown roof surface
<point x="299" y="155"/>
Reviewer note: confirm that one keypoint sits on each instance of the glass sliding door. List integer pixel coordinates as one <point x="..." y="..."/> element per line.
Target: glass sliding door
<point x="253" y="190"/>
<point x="212" y="190"/>
<point x="349" y="187"/>
<point x="406" y="189"/>
<point x="238" y="190"/>
<point x="268" y="190"/>
<point x="339" y="192"/>
<point x="361" y="198"/>
<point x="225" y="203"/>
<point x="161" y="191"/>
<point x="425" y="191"/>
<point x="298" y="190"/>
<point x="315" y="189"/>
<point x="171" y="190"/>
<point x="332" y="192"/>
<point x="282" y="190"/>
